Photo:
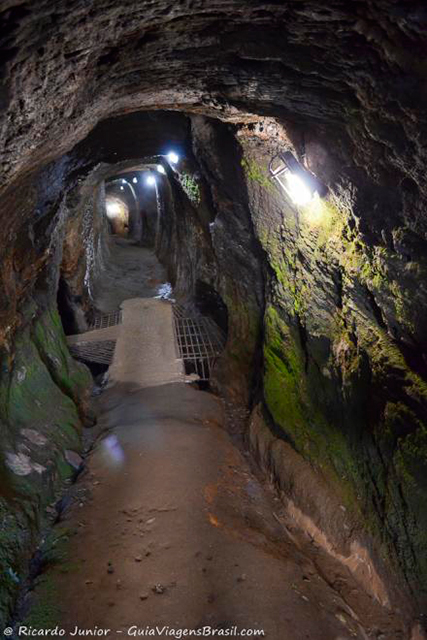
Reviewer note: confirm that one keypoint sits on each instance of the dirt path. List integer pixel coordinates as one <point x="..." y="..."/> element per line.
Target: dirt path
<point x="131" y="272"/>
<point x="173" y="528"/>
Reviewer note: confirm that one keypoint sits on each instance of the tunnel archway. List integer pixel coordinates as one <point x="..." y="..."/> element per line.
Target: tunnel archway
<point x="117" y="213"/>
<point x="325" y="300"/>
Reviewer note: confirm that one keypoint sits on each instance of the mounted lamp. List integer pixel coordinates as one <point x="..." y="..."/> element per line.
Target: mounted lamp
<point x="299" y="185"/>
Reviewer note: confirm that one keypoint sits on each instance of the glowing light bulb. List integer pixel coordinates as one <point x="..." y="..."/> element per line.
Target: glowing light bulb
<point x="160" y="168"/>
<point x="297" y="190"/>
<point x="123" y="181"/>
<point x="134" y="180"/>
<point x="150" y="180"/>
<point x="113" y="209"/>
<point x="122" y="188"/>
<point x="173" y="157"/>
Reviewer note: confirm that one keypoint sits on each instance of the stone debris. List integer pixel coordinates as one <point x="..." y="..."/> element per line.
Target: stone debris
<point x="73" y="459"/>
<point x="19" y="463"/>
<point x="34" y="436"/>
<point x="159" y="589"/>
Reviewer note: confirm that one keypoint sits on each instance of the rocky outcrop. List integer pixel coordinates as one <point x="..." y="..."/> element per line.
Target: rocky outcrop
<point x="43" y="395"/>
<point x="344" y="379"/>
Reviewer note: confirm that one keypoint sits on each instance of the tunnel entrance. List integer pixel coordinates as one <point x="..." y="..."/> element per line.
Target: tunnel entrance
<point x="132" y="203"/>
<point x="117" y="213"/>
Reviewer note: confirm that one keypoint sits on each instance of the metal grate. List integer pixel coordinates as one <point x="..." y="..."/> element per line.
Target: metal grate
<point x="101" y="352"/>
<point x="102" y="321"/>
<point x="200" y="341"/>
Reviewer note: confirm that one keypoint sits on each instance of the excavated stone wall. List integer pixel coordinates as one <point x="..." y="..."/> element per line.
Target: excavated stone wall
<point x="239" y="256"/>
<point x="342" y="376"/>
<point x="43" y="405"/>
<point x="305" y="335"/>
<point x="337" y="299"/>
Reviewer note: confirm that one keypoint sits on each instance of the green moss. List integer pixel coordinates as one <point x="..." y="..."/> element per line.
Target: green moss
<point x="411" y="455"/>
<point x="13" y="534"/>
<point x="336" y="382"/>
<point x="254" y="172"/>
<point x="282" y="377"/>
<point x="191" y="187"/>
<point x="64" y="469"/>
<point x="56" y="545"/>
<point x="326" y="220"/>
<point x="32" y="399"/>
<point x="288" y="398"/>
<point x="38" y="387"/>
<point x="73" y="378"/>
<point x="45" y="611"/>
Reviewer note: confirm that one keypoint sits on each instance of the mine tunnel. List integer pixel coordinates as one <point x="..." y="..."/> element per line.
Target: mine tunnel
<point x="213" y="378"/>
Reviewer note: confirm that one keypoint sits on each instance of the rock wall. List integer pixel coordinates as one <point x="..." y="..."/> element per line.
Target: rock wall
<point x="316" y="332"/>
<point x="43" y="391"/>
<point x="319" y="328"/>
<point x="344" y="382"/>
<point x="43" y="396"/>
<point x="338" y="298"/>
<point x="239" y="256"/>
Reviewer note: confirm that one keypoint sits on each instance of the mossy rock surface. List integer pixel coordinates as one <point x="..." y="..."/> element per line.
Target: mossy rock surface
<point x="341" y="313"/>
<point x="40" y="388"/>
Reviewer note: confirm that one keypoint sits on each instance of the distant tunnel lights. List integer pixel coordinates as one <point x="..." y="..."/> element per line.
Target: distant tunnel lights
<point x="135" y="180"/>
<point x="297" y="183"/>
<point x="113" y="209"/>
<point x="160" y="168"/>
<point x="173" y="157"/>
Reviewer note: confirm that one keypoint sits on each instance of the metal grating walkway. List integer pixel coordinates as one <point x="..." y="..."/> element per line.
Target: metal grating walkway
<point x="200" y="341"/>
<point x="102" y="321"/>
<point x="101" y="352"/>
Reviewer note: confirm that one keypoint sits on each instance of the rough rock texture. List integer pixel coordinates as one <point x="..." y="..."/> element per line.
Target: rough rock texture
<point x="42" y="393"/>
<point x="336" y="294"/>
<point x="343" y="376"/>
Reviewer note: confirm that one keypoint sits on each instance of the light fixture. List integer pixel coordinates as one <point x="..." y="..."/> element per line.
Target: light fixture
<point x="160" y="168"/>
<point x="113" y="209"/>
<point x="150" y="180"/>
<point x="135" y="180"/>
<point x="123" y="181"/>
<point x="122" y="188"/>
<point x="297" y="189"/>
<point x="173" y="157"/>
<point x="297" y="183"/>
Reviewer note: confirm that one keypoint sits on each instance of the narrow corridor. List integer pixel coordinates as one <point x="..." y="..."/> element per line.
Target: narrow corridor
<point x="213" y="302"/>
<point x="172" y="525"/>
